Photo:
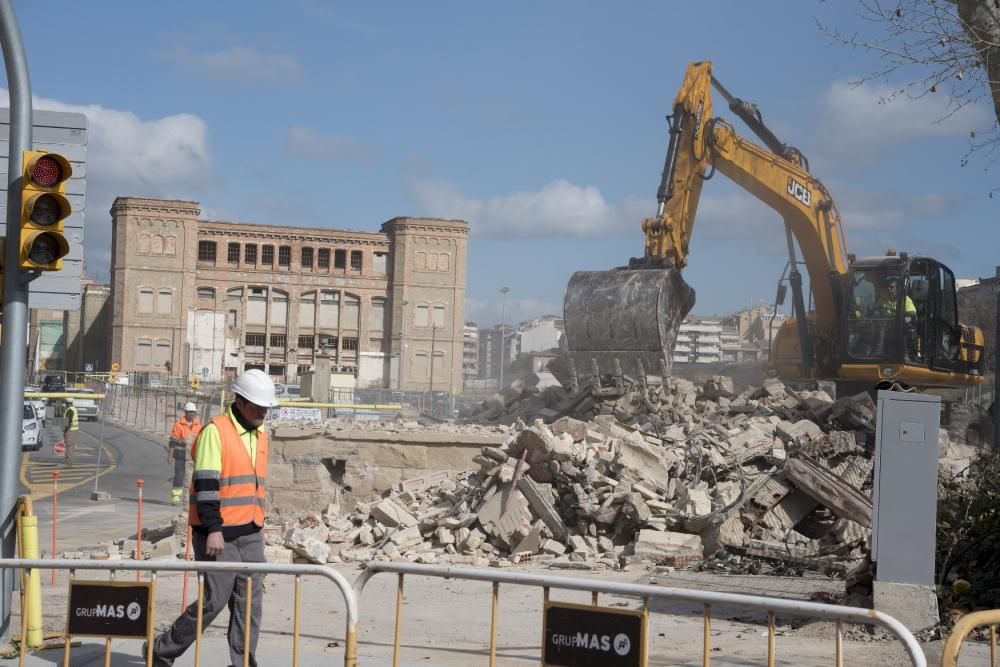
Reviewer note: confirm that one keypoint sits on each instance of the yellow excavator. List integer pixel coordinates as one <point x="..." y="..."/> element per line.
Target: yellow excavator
<point x="892" y="318"/>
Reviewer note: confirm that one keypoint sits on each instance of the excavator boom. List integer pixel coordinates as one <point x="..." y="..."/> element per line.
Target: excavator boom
<point x="625" y="321"/>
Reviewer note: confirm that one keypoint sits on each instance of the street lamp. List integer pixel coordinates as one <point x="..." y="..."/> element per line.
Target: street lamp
<point x="402" y="342"/>
<point x="503" y="332"/>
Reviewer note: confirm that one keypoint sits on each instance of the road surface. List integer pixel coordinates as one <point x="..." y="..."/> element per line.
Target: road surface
<point x="125" y="458"/>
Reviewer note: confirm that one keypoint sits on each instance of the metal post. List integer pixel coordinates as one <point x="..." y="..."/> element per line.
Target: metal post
<point x="503" y="332"/>
<point x="100" y="446"/>
<point x="15" y="298"/>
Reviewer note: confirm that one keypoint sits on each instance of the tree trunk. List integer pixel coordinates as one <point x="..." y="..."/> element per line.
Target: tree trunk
<point x="981" y="20"/>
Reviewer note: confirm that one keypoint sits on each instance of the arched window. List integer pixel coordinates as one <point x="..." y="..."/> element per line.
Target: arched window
<point x="164" y="301"/>
<point x="146" y="300"/>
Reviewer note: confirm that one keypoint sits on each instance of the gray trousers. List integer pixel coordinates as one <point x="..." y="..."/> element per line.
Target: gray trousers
<point x="221" y="589"/>
<point x="180" y="470"/>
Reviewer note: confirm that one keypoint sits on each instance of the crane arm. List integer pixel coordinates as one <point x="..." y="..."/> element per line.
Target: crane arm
<point x="701" y="144"/>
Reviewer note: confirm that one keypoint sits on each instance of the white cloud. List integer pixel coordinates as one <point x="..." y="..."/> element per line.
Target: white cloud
<point x="126" y="155"/>
<point x="559" y="208"/>
<point x="239" y="65"/>
<point x="859" y="124"/>
<point x="312" y="144"/>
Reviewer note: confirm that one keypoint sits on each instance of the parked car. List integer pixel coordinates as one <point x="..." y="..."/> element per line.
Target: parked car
<point x="31" y="430"/>
<point x="40" y="404"/>
<point x="53" y="383"/>
<point x="287" y="392"/>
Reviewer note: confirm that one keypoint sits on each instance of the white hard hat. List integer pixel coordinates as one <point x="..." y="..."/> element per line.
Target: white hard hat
<point x="256" y="387"/>
<point x="69" y="400"/>
<point x="190" y="407"/>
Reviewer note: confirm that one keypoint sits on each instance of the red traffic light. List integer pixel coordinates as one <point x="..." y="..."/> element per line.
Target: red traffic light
<point x="46" y="172"/>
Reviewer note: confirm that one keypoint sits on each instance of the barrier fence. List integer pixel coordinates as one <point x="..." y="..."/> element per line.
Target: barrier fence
<point x="30" y="567"/>
<point x="772" y="606"/>
<point x="965" y="625"/>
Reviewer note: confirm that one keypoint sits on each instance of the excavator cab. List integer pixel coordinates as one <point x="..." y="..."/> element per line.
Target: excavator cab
<point x="901" y="323"/>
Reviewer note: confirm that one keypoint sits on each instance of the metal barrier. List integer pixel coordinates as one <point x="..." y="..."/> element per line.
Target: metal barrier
<point x="250" y="569"/>
<point x="772" y="606"/>
<point x="965" y="625"/>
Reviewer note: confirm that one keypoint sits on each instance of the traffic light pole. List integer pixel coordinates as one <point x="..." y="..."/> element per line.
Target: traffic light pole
<point x="14" y="339"/>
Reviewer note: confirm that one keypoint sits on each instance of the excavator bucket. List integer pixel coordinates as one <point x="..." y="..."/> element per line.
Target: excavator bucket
<point x="625" y="321"/>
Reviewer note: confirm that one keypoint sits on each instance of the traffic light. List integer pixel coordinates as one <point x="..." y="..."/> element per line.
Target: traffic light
<point x="44" y="209"/>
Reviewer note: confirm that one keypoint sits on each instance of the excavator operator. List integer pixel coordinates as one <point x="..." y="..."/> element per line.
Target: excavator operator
<point x="886" y="306"/>
<point x="888" y="299"/>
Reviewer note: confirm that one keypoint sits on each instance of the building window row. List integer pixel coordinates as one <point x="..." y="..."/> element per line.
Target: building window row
<point x="432" y="261"/>
<point x="155" y="301"/>
<point x="207" y="252"/>
<point x="150" y="352"/>
<point x="430" y="315"/>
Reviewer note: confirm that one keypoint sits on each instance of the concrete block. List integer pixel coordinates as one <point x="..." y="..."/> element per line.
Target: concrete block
<point x="914" y="606"/>
<point x="657" y="545"/>
<point x="278" y="554"/>
<point x="406" y="538"/>
<point x="166" y="548"/>
<point x="392" y="514"/>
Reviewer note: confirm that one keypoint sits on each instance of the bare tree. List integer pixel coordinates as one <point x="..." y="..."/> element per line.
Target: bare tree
<point x="941" y="46"/>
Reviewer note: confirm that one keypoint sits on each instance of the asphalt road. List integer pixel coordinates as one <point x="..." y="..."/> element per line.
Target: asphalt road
<point x="125" y="458"/>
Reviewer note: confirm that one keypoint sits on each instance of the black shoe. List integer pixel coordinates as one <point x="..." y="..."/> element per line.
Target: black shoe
<point x="157" y="661"/>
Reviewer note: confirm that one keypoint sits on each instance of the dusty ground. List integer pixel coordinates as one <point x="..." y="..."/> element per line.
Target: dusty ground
<point x="446" y="622"/>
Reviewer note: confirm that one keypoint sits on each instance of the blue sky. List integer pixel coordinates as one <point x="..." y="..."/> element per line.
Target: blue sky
<point x="542" y="124"/>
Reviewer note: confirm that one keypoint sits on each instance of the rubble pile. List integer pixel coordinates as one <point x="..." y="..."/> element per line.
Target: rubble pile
<point x="667" y="473"/>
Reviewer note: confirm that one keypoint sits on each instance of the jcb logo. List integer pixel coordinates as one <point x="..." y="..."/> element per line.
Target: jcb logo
<point x="699" y="112"/>
<point x="799" y="191"/>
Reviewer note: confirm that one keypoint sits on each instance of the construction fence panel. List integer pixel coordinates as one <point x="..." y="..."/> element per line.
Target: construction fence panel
<point x="965" y="625"/>
<point x="156" y="409"/>
<point x="199" y="568"/>
<point x="706" y="599"/>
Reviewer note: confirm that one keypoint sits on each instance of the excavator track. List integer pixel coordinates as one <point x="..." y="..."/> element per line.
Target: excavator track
<point x="625" y="320"/>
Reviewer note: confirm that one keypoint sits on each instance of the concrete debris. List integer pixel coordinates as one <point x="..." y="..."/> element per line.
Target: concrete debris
<point x="633" y="472"/>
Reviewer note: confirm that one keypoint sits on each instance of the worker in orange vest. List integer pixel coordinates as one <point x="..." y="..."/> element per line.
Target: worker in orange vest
<point x="182" y="438"/>
<point x="226" y="514"/>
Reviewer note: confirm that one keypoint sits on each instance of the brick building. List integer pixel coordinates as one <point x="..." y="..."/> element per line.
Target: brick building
<point x="210" y="299"/>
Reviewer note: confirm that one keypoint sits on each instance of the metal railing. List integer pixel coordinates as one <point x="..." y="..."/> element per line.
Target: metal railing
<point x="772" y="606"/>
<point x="965" y="625"/>
<point x="201" y="567"/>
<point x="156" y="409"/>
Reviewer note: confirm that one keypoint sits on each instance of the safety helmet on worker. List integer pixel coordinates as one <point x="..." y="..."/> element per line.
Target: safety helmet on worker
<point x="190" y="407"/>
<point x="69" y="401"/>
<point x="256" y="387"/>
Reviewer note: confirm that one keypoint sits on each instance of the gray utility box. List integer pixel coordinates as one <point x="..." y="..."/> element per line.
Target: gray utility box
<point x="905" y="495"/>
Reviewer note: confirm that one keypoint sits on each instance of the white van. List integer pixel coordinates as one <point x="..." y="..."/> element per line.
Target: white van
<point x="31" y="430"/>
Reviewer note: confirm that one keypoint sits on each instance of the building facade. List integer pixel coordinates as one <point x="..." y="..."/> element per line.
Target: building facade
<point x="490" y="356"/>
<point x="538" y="335"/>
<point x="211" y="299"/>
<point x="470" y="352"/>
<point x="699" y="342"/>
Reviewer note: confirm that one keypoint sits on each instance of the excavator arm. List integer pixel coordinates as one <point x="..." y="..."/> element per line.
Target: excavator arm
<point x="778" y="176"/>
<point x="700" y="145"/>
<point x="625" y="321"/>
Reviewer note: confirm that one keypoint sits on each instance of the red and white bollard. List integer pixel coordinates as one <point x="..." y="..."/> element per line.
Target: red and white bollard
<point x="138" y="534"/>
<point x="55" y="502"/>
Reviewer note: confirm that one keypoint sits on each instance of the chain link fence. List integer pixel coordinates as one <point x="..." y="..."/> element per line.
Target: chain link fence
<point x="155" y="408"/>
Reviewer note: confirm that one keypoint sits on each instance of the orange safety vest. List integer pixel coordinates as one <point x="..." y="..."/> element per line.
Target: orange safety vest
<point x="241" y="487"/>
<point x="182" y="429"/>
